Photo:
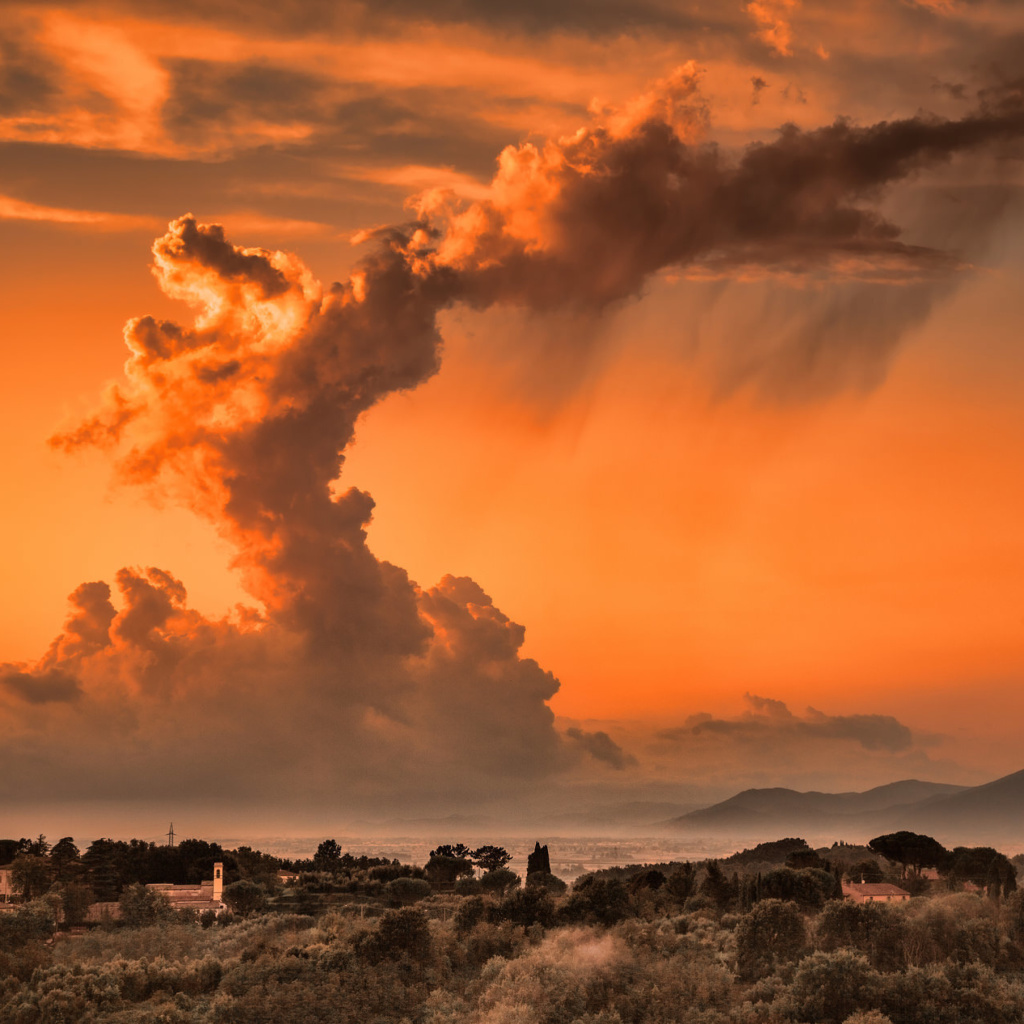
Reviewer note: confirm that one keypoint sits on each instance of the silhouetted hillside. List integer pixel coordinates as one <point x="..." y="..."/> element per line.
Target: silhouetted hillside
<point x="957" y="813"/>
<point x="991" y="812"/>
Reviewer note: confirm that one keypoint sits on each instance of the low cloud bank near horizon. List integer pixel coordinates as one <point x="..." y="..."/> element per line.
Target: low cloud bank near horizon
<point x="344" y="680"/>
<point x="701" y="758"/>
<point x="767" y="717"/>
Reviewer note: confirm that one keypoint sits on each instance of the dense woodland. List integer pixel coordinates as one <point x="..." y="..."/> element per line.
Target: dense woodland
<point x="757" y="938"/>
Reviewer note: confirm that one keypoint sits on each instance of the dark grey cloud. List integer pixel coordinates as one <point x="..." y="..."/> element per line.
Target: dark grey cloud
<point x="957" y="90"/>
<point x="262" y="178"/>
<point x="770" y="722"/>
<point x="651" y="201"/>
<point x="809" y="204"/>
<point x="87" y="629"/>
<point x="873" y="732"/>
<point x="210" y="250"/>
<point x="591" y="17"/>
<point x="206" y="93"/>
<point x="354" y="122"/>
<point x="29" y="80"/>
<point x="53" y="686"/>
<point x="601" y="747"/>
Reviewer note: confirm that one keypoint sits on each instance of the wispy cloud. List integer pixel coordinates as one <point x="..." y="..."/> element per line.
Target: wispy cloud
<point x="19" y="209"/>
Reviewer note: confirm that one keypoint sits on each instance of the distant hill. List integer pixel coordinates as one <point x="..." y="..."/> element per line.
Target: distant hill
<point x="762" y="806"/>
<point x="955" y="815"/>
<point x="992" y="812"/>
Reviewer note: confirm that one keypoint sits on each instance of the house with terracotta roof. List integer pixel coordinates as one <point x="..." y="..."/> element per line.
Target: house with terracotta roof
<point x="874" y="892"/>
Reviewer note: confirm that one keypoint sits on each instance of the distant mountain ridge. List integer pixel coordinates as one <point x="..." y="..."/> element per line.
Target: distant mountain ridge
<point x="960" y="814"/>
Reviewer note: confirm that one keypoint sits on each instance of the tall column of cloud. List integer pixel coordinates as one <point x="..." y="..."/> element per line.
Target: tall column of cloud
<point x="245" y="416"/>
<point x="349" y="670"/>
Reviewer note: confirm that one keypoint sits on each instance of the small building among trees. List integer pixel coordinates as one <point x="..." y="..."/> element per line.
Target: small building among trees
<point x="874" y="892"/>
<point x="207" y="895"/>
<point x="142" y="904"/>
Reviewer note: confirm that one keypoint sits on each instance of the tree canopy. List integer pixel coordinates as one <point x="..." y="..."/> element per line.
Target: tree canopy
<point x="909" y="849"/>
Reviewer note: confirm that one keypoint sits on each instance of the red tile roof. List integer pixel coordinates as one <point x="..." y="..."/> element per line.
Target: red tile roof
<point x="873" y="889"/>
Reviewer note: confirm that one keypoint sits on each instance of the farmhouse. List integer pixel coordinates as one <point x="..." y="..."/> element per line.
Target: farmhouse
<point x="874" y="892"/>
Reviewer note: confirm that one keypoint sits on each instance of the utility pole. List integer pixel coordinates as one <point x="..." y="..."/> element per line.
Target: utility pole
<point x="170" y="835"/>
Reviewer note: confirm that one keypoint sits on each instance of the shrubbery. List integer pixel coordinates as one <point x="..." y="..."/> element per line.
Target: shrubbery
<point x="711" y="943"/>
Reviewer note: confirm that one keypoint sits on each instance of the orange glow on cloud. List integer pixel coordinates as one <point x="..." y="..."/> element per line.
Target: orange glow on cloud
<point x="774" y="29"/>
<point x="17" y="209"/>
<point x="706" y="420"/>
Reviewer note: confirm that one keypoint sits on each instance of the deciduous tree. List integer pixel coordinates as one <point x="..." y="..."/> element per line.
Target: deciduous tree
<point x="829" y="987"/>
<point x="245" y="897"/>
<point x="142" y="906"/>
<point x="30" y="875"/>
<point x="772" y="933"/>
<point x="499" y="881"/>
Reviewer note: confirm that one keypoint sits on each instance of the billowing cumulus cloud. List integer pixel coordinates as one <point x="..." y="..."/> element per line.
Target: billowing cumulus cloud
<point x="357" y="681"/>
<point x="589" y="218"/>
<point x="585" y="221"/>
<point x="345" y="680"/>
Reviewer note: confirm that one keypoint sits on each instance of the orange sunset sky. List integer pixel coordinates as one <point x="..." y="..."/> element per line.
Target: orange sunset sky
<point x="684" y="335"/>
